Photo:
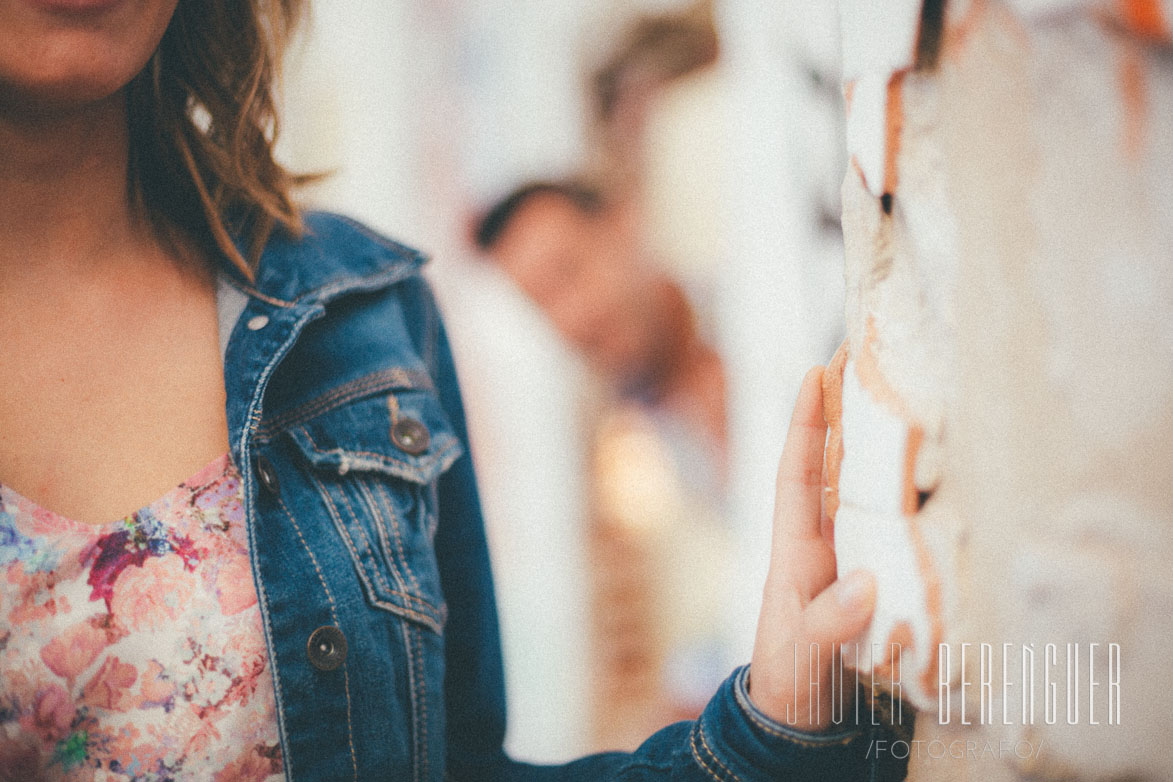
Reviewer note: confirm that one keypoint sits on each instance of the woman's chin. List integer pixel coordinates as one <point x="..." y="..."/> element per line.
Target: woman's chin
<point x="46" y="62"/>
<point x="66" y="81"/>
<point x="57" y="96"/>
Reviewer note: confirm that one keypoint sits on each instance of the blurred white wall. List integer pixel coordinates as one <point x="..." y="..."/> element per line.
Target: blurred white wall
<point x="779" y="300"/>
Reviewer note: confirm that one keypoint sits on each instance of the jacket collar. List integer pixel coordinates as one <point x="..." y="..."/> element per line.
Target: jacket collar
<point x="335" y="256"/>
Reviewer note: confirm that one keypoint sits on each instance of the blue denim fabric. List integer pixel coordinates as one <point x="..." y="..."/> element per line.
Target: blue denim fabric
<point x="351" y="530"/>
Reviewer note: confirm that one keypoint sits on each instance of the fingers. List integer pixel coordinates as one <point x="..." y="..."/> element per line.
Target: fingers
<point x="800" y="471"/>
<point x="840" y="612"/>
<point x="797" y="641"/>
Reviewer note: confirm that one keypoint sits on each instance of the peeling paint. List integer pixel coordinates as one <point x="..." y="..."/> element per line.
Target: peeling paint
<point x="1000" y="444"/>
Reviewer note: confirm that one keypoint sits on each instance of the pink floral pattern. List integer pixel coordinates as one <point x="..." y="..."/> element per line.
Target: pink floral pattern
<point x="134" y="650"/>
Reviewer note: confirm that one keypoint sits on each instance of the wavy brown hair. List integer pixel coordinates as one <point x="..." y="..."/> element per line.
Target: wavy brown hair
<point x="202" y="125"/>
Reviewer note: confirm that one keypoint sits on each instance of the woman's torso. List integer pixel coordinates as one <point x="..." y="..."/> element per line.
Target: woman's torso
<point x="339" y="397"/>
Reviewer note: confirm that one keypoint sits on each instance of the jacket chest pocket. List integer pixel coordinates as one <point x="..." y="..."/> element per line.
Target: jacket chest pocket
<point x="375" y="462"/>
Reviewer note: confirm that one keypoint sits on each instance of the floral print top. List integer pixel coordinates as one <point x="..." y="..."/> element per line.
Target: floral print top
<point x="134" y="650"/>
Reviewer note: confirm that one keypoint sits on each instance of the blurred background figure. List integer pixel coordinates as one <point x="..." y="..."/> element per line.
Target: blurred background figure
<point x="656" y="524"/>
<point x="656" y="532"/>
<point x="579" y="258"/>
<point x="710" y="134"/>
<point x="655" y="52"/>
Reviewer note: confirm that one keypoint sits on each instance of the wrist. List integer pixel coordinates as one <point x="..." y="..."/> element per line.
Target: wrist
<point x="783" y="710"/>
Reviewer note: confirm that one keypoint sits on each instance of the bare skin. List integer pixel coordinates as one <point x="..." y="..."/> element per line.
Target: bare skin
<point x="112" y="383"/>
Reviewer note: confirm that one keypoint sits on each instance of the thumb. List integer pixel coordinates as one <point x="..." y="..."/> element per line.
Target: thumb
<point x="841" y="611"/>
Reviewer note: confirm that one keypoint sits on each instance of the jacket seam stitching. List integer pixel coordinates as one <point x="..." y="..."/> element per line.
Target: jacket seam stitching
<point x="382" y="459"/>
<point x="404" y="590"/>
<point x="279" y="693"/>
<point x="247" y="435"/>
<point x="388" y="378"/>
<point x="409" y="653"/>
<point x="384" y="379"/>
<point x="344" y="532"/>
<point x="334" y="616"/>
<point x="704" y="742"/>
<point x="793" y="735"/>
<point x="421" y="692"/>
<point x="385" y="538"/>
<point x="417" y="595"/>
<point x="797" y="739"/>
<point x="418" y="615"/>
<point x="413" y="581"/>
<point x="380" y="579"/>
<point x="701" y="761"/>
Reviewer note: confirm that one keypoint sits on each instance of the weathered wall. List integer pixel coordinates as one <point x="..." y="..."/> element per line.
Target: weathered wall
<point x="1004" y="454"/>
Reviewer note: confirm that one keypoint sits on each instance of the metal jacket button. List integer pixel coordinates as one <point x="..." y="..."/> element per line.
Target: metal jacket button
<point x="410" y="436"/>
<point x="268" y="475"/>
<point x="326" y="648"/>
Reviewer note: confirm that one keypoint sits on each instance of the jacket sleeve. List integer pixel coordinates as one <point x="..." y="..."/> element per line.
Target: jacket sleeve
<point x="732" y="741"/>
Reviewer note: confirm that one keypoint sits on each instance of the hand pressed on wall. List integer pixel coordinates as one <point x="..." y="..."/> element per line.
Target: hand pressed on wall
<point x="803" y="604"/>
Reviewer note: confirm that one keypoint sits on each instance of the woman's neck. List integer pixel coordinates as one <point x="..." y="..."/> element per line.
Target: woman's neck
<point x="63" y="179"/>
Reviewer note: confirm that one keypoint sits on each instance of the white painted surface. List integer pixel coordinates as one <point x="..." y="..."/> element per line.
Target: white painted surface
<point x="882" y="544"/>
<point x="1021" y="297"/>
<point x="874" y="442"/>
<point x="1048" y="7"/>
<point x="866" y="128"/>
<point x="878" y="37"/>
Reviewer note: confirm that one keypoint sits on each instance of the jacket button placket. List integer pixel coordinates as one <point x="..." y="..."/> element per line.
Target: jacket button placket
<point x="326" y="648"/>
<point x="267" y="475"/>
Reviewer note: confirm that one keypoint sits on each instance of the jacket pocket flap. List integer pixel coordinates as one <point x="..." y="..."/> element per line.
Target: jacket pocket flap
<point x="403" y="433"/>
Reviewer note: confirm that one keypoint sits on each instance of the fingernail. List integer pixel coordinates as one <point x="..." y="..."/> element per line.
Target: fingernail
<point x="854" y="588"/>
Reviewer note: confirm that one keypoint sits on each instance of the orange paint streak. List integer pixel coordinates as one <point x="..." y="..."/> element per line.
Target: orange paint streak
<point x="858" y="169"/>
<point x="1146" y="18"/>
<point x="893" y="129"/>
<point x="910" y="502"/>
<point x="871" y="377"/>
<point x="848" y="94"/>
<point x="1134" y="94"/>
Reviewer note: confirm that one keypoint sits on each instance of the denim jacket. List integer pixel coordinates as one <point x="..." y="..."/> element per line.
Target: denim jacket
<point x="368" y="548"/>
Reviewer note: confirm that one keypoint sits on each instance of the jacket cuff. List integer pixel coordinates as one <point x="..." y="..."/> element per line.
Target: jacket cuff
<point x="733" y="741"/>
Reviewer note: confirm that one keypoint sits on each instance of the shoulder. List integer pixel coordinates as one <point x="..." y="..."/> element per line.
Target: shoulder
<point x="334" y="255"/>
